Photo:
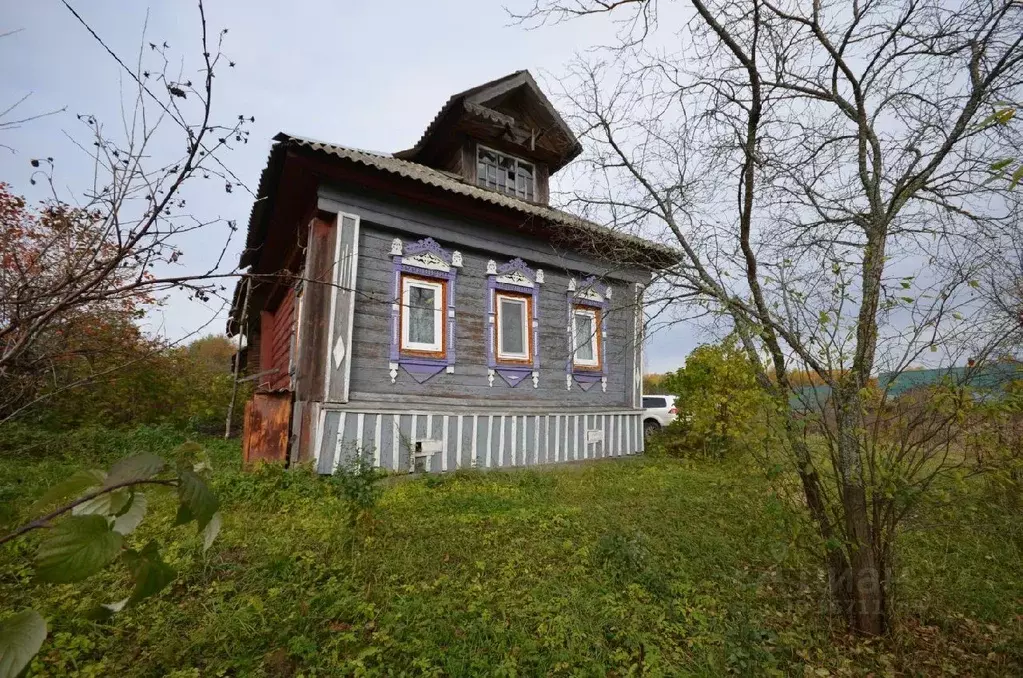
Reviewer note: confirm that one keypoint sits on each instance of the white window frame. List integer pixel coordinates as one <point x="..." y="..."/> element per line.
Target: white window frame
<point x="594" y="315"/>
<point x="437" y="346"/>
<point x="514" y="194"/>
<point x="527" y="323"/>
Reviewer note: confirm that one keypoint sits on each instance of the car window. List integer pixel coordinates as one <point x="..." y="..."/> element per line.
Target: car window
<point x="651" y="403"/>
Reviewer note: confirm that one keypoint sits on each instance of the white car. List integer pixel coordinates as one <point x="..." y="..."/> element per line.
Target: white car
<point x="658" y="412"/>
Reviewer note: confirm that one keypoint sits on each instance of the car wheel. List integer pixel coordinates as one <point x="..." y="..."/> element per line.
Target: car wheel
<point x="650" y="427"/>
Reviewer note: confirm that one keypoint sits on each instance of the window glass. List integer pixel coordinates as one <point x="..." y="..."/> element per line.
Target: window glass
<point x="504" y="173"/>
<point x="512" y="314"/>
<point x="652" y="403"/>
<point x="422" y="304"/>
<point x="584" y="337"/>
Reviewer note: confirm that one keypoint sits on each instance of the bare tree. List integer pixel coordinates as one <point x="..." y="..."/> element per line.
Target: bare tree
<point x="824" y="172"/>
<point x="110" y="250"/>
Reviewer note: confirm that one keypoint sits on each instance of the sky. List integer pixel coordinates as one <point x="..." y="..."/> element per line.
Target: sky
<point x="365" y="74"/>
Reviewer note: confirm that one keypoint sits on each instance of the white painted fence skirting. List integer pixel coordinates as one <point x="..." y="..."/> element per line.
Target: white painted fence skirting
<point x="444" y="441"/>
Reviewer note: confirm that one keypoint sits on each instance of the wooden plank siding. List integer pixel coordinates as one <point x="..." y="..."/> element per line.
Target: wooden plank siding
<point x="370" y="379"/>
<point x="494" y="440"/>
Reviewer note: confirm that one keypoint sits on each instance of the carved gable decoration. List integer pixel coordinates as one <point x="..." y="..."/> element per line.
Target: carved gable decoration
<point x="515" y="272"/>
<point x="590" y="289"/>
<point x="426" y="253"/>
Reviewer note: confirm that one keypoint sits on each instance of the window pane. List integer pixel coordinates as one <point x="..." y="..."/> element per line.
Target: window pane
<point x="583" y="336"/>
<point x="651" y="403"/>
<point x="421" y="301"/>
<point x="512" y="321"/>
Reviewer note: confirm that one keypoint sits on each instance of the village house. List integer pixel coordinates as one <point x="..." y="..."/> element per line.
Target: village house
<point x="430" y="309"/>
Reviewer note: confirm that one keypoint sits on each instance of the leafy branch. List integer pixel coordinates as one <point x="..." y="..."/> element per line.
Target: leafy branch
<point x="104" y="508"/>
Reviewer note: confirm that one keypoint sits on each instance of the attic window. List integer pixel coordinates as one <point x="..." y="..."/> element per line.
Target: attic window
<point x="505" y="173"/>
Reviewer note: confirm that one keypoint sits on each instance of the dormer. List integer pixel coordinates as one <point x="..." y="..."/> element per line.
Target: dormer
<point x="504" y="136"/>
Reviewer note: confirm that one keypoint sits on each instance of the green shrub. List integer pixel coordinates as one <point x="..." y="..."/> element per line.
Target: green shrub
<point x="722" y="409"/>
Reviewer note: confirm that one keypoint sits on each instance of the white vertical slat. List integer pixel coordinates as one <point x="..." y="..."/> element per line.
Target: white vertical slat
<point x="413" y="436"/>
<point x="338" y="439"/>
<point x="546" y="438"/>
<point x="444" y="443"/>
<point x="429" y="427"/>
<point x="490" y="441"/>
<point x="458" y="445"/>
<point x="360" y="423"/>
<point x="575" y="439"/>
<point x="475" y="433"/>
<point x="500" y="444"/>
<point x="376" y="439"/>
<point x="628" y="435"/>
<point x="396" y="443"/>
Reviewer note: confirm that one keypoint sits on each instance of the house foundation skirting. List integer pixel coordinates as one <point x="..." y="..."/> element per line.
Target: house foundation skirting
<point x="434" y="441"/>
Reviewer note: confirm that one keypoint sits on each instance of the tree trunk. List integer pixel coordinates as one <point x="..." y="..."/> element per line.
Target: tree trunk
<point x="865" y="608"/>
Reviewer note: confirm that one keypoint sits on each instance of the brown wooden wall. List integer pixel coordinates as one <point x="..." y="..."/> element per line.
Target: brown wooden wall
<point x="276" y="329"/>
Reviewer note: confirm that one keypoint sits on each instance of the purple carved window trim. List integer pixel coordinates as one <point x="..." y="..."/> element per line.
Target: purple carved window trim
<point x="425" y="259"/>
<point x="519" y="278"/>
<point x="583" y="294"/>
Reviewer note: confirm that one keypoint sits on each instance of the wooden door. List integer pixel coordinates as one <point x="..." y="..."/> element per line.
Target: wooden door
<point x="267" y="424"/>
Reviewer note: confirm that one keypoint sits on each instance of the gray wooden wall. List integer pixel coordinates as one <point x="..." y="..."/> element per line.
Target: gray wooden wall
<point x="369" y="382"/>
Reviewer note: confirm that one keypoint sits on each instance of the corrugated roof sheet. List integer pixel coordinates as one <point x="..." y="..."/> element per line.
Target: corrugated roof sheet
<point x="456" y="184"/>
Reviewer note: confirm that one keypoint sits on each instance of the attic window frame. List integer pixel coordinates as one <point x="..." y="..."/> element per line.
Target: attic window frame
<point x="530" y="194"/>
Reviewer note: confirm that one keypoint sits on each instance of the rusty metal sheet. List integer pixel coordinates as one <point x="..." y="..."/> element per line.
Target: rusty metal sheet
<point x="267" y="419"/>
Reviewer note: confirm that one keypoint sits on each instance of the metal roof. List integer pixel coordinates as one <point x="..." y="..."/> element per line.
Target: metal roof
<point x="448" y="181"/>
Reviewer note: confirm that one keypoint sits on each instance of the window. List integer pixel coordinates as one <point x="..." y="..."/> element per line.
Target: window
<point x="514" y="319"/>
<point x="504" y="173"/>
<point x="654" y="403"/>
<point x="586" y="337"/>
<point x="422" y="315"/>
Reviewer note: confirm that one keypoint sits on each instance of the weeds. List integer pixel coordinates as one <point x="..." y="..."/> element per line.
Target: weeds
<point x="653" y="566"/>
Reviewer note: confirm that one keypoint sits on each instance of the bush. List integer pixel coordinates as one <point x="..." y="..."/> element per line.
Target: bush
<point x="722" y="409"/>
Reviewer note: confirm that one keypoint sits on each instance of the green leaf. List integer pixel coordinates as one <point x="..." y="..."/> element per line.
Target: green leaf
<point x="1002" y="164"/>
<point x="196" y="497"/>
<point x="79" y="547"/>
<point x="107" y="504"/>
<point x="1005" y="115"/>
<point x="21" y="636"/>
<point x="149" y="571"/>
<point x="974" y="283"/>
<point x="139" y="467"/>
<point x="211" y="531"/>
<point x="1017" y="176"/>
<point x="74" y="486"/>
<point x="132" y="517"/>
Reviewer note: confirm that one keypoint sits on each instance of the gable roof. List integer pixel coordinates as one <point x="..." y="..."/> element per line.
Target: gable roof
<point x="643" y="252"/>
<point x="472" y="102"/>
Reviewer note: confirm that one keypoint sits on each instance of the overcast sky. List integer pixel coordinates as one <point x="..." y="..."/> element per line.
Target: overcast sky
<point x="364" y="74"/>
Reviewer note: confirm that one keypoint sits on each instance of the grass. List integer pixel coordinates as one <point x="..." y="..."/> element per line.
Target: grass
<point x="625" y="567"/>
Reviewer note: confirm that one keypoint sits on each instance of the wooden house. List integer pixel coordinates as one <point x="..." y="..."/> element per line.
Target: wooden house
<point x="430" y="309"/>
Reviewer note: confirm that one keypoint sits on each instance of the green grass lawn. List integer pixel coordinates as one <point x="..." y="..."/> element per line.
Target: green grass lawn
<point x="636" y="566"/>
